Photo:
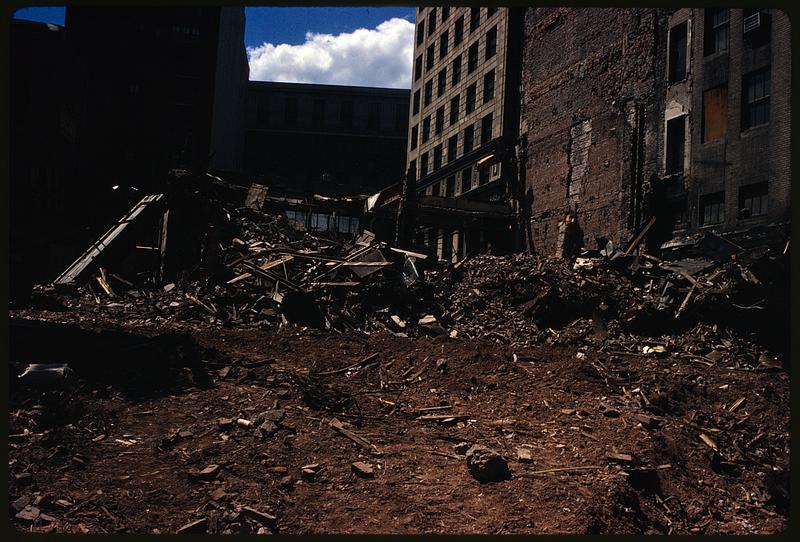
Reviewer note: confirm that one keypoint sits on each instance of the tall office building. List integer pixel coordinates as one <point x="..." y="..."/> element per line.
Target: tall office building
<point x="463" y="127"/>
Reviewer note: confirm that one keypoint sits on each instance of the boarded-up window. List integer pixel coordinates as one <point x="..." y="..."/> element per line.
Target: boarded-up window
<point x="715" y="109"/>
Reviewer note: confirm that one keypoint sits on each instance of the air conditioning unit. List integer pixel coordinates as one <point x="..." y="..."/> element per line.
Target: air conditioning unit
<point x="753" y="22"/>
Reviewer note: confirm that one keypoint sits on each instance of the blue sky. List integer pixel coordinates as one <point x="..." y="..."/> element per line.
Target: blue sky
<point x="369" y="46"/>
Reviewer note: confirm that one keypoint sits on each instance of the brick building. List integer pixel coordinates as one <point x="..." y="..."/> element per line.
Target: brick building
<point x="315" y="146"/>
<point x="464" y="112"/>
<point x="592" y="112"/>
<point x="726" y="131"/>
<point x="682" y="115"/>
<point x="356" y="136"/>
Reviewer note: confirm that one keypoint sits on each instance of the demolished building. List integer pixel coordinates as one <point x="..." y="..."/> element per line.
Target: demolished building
<point x="678" y="115"/>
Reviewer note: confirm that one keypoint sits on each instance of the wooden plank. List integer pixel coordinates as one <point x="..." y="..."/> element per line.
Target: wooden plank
<point x="640" y="235"/>
<point x="269" y="265"/>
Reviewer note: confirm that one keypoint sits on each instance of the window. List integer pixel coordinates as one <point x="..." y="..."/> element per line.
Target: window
<point x="420" y="33"/>
<point x="677" y="53"/>
<point x="437" y="157"/>
<point x="428" y="92"/>
<point x="753" y="200"/>
<point x="432" y="21"/>
<point x="717" y="24"/>
<point x="486" y="129"/>
<point x="452" y="148"/>
<point x="416" y="102"/>
<point x="445" y="13"/>
<point x="454" y="106"/>
<point x="263" y="110"/>
<point x="715" y="108"/>
<point x="451" y="186"/>
<point x="429" y="59"/>
<point x="712" y="208"/>
<point x="472" y="57"/>
<point x="321" y="221"/>
<point x="483" y="176"/>
<point x="456" y="70"/>
<point x="439" y="120"/>
<point x="443" y="44"/>
<point x="374" y="116"/>
<point x="441" y="82"/>
<point x="296" y="218"/>
<point x="318" y="113"/>
<point x="471" y="91"/>
<point x="414" y="136"/>
<point x="458" y="31"/>
<point x="423" y="165"/>
<point x="346" y="114"/>
<point x="290" y="113"/>
<point x="474" y="18"/>
<point x="488" y="86"/>
<point x="676" y="144"/>
<point x="348" y="224"/>
<point x="418" y="68"/>
<point x="755" y="98"/>
<point x="491" y="43"/>
<point x="412" y="167"/>
<point x="401" y="117"/>
<point x="466" y="180"/>
<point x="469" y="138"/>
<point x="426" y="129"/>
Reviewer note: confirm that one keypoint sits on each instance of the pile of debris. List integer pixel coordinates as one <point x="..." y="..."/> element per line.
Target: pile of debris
<point x="639" y="304"/>
<point x="252" y="268"/>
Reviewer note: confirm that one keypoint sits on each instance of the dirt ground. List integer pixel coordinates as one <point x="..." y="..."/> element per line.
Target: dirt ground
<point x="123" y="449"/>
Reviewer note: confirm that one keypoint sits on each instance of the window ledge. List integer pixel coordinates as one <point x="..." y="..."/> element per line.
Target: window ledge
<point x="678" y="82"/>
<point x="750" y="132"/>
<point x="706" y="144"/>
<point x="712" y="56"/>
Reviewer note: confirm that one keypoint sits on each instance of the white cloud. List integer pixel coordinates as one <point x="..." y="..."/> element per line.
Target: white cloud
<point x="379" y="57"/>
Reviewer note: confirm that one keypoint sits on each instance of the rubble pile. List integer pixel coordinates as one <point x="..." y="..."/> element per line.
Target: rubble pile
<point x="643" y="304"/>
<point x="256" y="269"/>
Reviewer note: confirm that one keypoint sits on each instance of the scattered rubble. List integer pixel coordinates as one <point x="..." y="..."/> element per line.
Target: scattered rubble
<point x="253" y="389"/>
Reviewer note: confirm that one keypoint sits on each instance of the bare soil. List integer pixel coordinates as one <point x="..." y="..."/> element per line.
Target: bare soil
<point x="121" y="449"/>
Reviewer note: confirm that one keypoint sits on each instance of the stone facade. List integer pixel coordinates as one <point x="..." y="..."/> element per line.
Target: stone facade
<point x="464" y="110"/>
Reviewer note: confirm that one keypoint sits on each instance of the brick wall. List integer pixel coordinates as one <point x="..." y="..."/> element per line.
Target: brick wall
<point x="591" y="119"/>
<point x="743" y="156"/>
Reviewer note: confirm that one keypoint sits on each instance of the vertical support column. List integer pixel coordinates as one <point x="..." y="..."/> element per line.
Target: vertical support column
<point x="456" y="246"/>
